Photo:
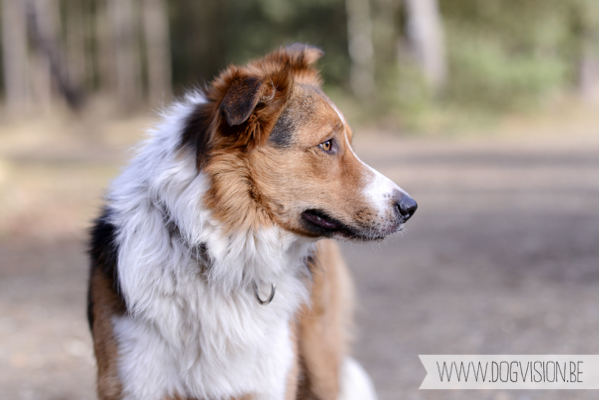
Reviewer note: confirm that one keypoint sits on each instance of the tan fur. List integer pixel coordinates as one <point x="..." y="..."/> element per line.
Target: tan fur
<point x="323" y="339"/>
<point x="292" y="179"/>
<point x="106" y="305"/>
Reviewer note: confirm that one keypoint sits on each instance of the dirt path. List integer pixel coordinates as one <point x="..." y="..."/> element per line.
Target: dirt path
<point x="501" y="257"/>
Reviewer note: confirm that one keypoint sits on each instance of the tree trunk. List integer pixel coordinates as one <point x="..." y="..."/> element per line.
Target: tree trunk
<point x="15" y="56"/>
<point x="588" y="73"/>
<point x="156" y="37"/>
<point x="128" y="73"/>
<point x="49" y="47"/>
<point x="586" y="13"/>
<point x="76" y="43"/>
<point x="361" y="50"/>
<point x="386" y="34"/>
<point x="106" y="63"/>
<point x="44" y="92"/>
<point x="425" y="33"/>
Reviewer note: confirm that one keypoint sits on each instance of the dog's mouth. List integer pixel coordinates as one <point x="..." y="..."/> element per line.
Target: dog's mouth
<point x="320" y="223"/>
<point x="322" y="220"/>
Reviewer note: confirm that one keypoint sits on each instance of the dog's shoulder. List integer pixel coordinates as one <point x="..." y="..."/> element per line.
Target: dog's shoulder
<point x="103" y="254"/>
<point x="104" y="302"/>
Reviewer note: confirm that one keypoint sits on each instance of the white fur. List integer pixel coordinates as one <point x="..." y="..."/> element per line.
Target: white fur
<point x="380" y="188"/>
<point x="188" y="332"/>
<point x="355" y="382"/>
<point x="380" y="191"/>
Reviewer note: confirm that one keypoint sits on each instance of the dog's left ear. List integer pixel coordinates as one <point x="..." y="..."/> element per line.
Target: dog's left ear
<point x="297" y="55"/>
<point x="244" y="94"/>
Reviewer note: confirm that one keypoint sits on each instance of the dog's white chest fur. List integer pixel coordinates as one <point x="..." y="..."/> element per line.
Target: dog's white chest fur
<point x="194" y="327"/>
<point x="195" y="340"/>
<point x="234" y="349"/>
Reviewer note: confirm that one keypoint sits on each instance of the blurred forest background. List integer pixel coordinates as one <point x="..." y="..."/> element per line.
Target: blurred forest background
<point x="485" y="111"/>
<point x="397" y="60"/>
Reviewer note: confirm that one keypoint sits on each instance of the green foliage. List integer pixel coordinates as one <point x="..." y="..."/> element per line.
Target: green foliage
<point x="503" y="55"/>
<point x="484" y="73"/>
<point x="508" y="54"/>
<point x="207" y="35"/>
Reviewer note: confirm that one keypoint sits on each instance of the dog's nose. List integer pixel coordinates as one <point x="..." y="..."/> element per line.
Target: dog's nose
<point x="406" y="205"/>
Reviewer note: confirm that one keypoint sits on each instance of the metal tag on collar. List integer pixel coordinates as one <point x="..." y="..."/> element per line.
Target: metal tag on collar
<point x="273" y="289"/>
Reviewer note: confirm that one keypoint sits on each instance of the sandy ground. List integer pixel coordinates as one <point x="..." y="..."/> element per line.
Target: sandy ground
<point x="502" y="256"/>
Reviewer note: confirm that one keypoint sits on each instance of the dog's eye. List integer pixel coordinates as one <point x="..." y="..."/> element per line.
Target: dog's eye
<point x="327" y="146"/>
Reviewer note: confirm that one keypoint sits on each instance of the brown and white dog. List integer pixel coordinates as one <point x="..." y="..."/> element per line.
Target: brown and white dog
<point x="208" y="279"/>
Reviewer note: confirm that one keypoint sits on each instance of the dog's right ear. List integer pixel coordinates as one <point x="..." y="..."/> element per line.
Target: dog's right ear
<point x="249" y="102"/>
<point x="243" y="103"/>
<point x="245" y="92"/>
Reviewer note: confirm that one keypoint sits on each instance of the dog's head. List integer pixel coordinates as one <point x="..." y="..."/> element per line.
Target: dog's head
<point x="277" y="151"/>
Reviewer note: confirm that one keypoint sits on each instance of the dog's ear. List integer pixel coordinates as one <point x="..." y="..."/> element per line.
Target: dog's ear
<point x="243" y="103"/>
<point x="311" y="53"/>
<point x="297" y="55"/>
<point x="244" y="94"/>
<point x="251" y="101"/>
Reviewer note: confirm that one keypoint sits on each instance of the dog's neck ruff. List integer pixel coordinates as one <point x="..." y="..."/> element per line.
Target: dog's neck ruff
<point x="193" y="321"/>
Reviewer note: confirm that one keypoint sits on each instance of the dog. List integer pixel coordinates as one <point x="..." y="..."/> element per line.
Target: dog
<point x="213" y="275"/>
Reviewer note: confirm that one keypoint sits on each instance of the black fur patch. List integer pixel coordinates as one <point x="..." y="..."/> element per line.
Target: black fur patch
<point x="90" y="309"/>
<point x="195" y="133"/>
<point x="282" y="133"/>
<point x="103" y="253"/>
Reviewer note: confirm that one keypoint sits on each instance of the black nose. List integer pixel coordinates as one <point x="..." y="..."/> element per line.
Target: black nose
<point x="407" y="206"/>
